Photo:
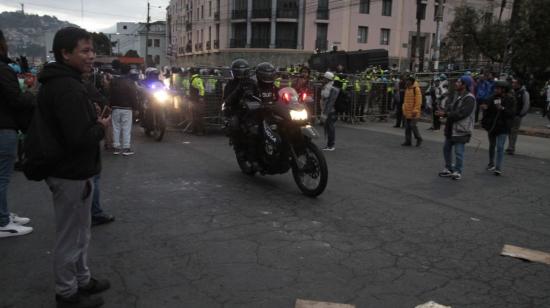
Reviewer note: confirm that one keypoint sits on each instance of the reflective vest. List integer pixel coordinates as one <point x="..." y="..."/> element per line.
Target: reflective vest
<point x="186" y="85"/>
<point x="211" y="85"/>
<point x="197" y="87"/>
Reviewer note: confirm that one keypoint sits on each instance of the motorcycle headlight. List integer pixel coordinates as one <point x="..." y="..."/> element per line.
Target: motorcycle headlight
<point x="298" y="115"/>
<point x="161" y="97"/>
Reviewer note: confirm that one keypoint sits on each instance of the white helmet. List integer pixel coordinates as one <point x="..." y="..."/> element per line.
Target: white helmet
<point x="329" y="75"/>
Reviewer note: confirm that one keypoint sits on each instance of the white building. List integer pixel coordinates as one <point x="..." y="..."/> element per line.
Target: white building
<point x="133" y="36"/>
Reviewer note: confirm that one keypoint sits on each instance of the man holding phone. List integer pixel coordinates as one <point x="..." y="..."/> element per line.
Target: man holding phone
<point x="498" y="120"/>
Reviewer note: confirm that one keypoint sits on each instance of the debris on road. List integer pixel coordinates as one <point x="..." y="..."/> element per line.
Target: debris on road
<point x="300" y="303"/>
<point x="475" y="219"/>
<point x="526" y="254"/>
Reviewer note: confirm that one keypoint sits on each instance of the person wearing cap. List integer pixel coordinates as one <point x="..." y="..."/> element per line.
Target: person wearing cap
<point x="523" y="103"/>
<point x="412" y="103"/>
<point x="458" y="127"/>
<point x="498" y="118"/>
<point x="329" y="94"/>
<point x="484" y="91"/>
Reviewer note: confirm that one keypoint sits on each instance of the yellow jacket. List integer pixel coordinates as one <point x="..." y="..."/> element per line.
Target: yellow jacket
<point x="412" y="102"/>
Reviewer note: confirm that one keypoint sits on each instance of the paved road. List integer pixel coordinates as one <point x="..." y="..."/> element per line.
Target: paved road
<point x="192" y="231"/>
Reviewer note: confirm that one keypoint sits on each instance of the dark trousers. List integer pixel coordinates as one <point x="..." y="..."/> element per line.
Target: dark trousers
<point x="198" y="121"/>
<point x="436" y="122"/>
<point x="330" y="129"/>
<point x="96" y="205"/>
<point x="410" y="127"/>
<point x="399" y="115"/>
<point x="360" y="106"/>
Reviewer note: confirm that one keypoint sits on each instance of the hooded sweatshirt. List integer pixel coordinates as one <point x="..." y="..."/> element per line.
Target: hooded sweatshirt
<point x="64" y="104"/>
<point x="14" y="104"/>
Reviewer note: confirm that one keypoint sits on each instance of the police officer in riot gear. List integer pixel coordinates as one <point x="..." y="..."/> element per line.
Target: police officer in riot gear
<point x="265" y="75"/>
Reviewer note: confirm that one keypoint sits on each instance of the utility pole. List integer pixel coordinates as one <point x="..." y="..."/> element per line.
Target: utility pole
<point x="147" y="25"/>
<point x="439" y="19"/>
<point x="417" y="49"/>
<point x="23" y="8"/>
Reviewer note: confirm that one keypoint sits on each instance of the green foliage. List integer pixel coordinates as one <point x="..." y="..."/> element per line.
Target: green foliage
<point x="102" y="43"/>
<point x="132" y="53"/>
<point x="523" y="46"/>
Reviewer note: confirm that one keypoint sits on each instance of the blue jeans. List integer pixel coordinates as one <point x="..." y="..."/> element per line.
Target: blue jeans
<point x="96" y="206"/>
<point x="8" y="149"/>
<point x="497" y="141"/>
<point x="459" y="155"/>
<point x="330" y="129"/>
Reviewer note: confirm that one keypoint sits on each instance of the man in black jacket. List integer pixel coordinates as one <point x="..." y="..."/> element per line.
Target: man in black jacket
<point x="498" y="120"/>
<point x="14" y="105"/>
<point x="123" y="100"/>
<point x="68" y="114"/>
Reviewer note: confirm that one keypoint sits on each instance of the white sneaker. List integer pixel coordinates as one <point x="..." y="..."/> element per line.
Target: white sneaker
<point x="13" y="229"/>
<point x="19" y="220"/>
<point x="329" y="148"/>
<point x="456" y="176"/>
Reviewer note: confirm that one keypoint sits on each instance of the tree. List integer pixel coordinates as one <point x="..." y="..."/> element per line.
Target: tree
<point x="132" y="53"/>
<point x="102" y="44"/>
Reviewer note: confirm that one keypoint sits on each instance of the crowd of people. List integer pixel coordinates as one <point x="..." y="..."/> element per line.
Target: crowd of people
<point x="75" y="108"/>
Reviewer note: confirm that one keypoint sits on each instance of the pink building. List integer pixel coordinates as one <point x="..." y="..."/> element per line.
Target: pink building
<point x="214" y="32"/>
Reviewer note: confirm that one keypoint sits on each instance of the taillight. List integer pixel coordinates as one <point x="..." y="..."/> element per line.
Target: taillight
<point x="286" y="97"/>
<point x="304" y="97"/>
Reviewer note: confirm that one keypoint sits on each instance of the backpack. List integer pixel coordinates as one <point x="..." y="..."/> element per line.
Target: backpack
<point x="41" y="150"/>
<point x="342" y="102"/>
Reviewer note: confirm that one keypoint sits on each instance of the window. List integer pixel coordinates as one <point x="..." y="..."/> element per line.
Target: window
<point x="421" y="11"/>
<point x="202" y="11"/>
<point x="124" y="27"/>
<point x="364" y="6"/>
<point x="386" y="7"/>
<point x="149" y="42"/>
<point x="209" y="8"/>
<point x="157" y="59"/>
<point x="435" y="12"/>
<point x="362" y="34"/>
<point x="384" y="36"/>
<point x="157" y="43"/>
<point x="321" y="41"/>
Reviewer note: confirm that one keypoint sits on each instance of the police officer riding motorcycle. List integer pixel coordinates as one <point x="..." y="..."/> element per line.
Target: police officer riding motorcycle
<point x="269" y="129"/>
<point x="156" y="100"/>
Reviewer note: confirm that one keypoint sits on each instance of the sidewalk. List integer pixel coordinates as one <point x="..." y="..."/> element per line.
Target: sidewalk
<point x="533" y="124"/>
<point x="526" y="145"/>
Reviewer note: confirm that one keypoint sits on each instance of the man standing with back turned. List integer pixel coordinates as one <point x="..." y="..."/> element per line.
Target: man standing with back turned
<point x="71" y="118"/>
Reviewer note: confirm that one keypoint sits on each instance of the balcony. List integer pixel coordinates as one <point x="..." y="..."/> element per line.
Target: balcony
<point x="287" y="13"/>
<point x="289" y="44"/>
<point x="259" y="43"/>
<point x="217" y="16"/>
<point x="216" y="44"/>
<point x="261" y="13"/>
<point x="237" y="43"/>
<point x="321" y="44"/>
<point x="239" y="14"/>
<point x="323" y="14"/>
<point x="208" y="45"/>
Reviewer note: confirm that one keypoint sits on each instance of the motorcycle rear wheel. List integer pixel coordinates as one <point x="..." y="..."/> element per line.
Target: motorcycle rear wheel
<point x="310" y="167"/>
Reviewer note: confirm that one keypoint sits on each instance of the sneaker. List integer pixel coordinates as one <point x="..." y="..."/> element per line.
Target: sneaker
<point x="329" y="148"/>
<point x="78" y="300"/>
<point x="497" y="172"/>
<point x="127" y="152"/>
<point x="117" y="151"/>
<point x="445" y="173"/>
<point x="456" y="176"/>
<point x="490" y="167"/>
<point x="19" y="220"/>
<point x="13" y="229"/>
<point x="102" y="219"/>
<point x="95" y="286"/>
<point x="406" y="144"/>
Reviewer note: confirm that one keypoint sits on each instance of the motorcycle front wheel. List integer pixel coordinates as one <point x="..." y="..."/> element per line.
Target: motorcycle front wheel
<point x="244" y="164"/>
<point x="310" y="170"/>
<point x="159" y="126"/>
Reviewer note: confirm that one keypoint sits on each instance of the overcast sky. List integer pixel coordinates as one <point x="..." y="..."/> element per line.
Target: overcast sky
<point x="98" y="15"/>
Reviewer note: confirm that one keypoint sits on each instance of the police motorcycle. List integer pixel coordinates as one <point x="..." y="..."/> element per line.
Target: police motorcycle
<point x="156" y="102"/>
<point x="279" y="137"/>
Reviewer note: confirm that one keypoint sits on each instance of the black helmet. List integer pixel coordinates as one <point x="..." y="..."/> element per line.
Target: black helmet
<point x="240" y="68"/>
<point x="265" y="72"/>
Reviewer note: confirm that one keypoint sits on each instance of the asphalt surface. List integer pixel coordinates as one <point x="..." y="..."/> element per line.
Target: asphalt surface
<point x="193" y="231"/>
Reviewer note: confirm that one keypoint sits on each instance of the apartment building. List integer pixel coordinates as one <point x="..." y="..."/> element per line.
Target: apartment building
<point x="132" y="36"/>
<point x="214" y="32"/>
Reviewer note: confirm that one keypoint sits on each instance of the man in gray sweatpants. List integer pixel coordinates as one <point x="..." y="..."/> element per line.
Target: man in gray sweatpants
<point x="67" y="113"/>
